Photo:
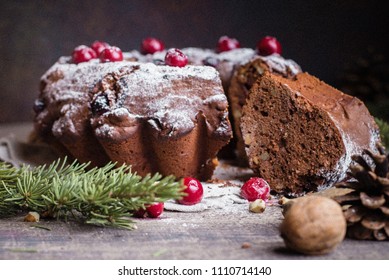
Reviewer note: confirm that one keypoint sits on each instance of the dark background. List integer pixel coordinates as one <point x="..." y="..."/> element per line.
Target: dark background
<point x="322" y="36"/>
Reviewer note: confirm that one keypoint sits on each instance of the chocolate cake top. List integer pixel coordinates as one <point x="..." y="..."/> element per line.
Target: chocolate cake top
<point x="168" y="98"/>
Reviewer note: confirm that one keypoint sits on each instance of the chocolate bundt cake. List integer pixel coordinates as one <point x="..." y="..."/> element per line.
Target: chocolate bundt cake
<point x="300" y="133"/>
<point x="243" y="79"/>
<point x="157" y="118"/>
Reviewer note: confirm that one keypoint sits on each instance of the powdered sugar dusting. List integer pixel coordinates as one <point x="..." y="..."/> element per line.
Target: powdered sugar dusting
<point x="216" y="196"/>
<point x="281" y="65"/>
<point x="169" y="98"/>
<point x="236" y="56"/>
<point x="351" y="148"/>
<point x="69" y="87"/>
<point x="196" y="56"/>
<point x="226" y="62"/>
<point x="223" y="194"/>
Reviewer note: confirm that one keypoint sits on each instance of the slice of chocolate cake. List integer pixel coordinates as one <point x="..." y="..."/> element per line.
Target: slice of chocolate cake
<point x="241" y="82"/>
<point x="299" y="134"/>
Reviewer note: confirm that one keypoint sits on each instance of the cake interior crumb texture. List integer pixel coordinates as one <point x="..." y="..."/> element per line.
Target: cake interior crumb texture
<point x="300" y="134"/>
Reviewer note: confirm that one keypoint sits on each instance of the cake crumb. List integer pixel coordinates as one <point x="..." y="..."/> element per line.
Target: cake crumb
<point x="31" y="217"/>
<point x="246" y="245"/>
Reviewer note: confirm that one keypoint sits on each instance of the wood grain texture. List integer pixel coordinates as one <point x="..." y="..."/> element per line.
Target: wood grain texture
<point x="207" y="235"/>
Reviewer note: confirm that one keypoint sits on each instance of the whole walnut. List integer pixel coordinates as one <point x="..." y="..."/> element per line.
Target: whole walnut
<point x="313" y="225"/>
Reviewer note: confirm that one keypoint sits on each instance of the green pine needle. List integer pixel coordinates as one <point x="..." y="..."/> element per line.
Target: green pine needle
<point x="384" y="131"/>
<point x="103" y="196"/>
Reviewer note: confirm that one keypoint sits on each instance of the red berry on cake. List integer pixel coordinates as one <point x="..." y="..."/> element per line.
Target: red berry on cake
<point x="268" y="45"/>
<point x="83" y="53"/>
<point x="155" y="210"/>
<point x="226" y="43"/>
<point x="193" y="190"/>
<point x="175" y="57"/>
<point x="99" y="46"/>
<point x="151" y="45"/>
<point x="255" y="188"/>
<point x="111" y="54"/>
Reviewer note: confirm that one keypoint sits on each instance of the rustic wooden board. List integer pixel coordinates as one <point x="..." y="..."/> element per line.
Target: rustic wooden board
<point x="212" y="234"/>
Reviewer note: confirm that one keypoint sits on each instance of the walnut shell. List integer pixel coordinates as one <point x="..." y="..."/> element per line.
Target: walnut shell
<point x="313" y="225"/>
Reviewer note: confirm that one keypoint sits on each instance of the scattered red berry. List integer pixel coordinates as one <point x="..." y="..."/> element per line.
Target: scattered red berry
<point x="194" y="191"/>
<point x="255" y="188"/>
<point x="151" y="45"/>
<point x="155" y="210"/>
<point x="140" y="213"/>
<point x="111" y="54"/>
<point x="226" y="43"/>
<point x="175" y="57"/>
<point x="83" y="54"/>
<point x="268" y="45"/>
<point x="99" y="46"/>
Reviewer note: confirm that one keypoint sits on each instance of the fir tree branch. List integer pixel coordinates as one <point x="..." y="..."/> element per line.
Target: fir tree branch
<point x="384" y="131"/>
<point x="103" y="196"/>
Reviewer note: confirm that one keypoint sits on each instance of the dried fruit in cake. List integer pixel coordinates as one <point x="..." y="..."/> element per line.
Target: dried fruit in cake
<point x="170" y="120"/>
<point x="299" y="134"/>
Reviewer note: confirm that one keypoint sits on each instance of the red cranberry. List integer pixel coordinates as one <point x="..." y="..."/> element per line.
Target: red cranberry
<point x="151" y="45"/>
<point x="255" y="188"/>
<point x="226" y="43"/>
<point x="99" y="46"/>
<point x="268" y="45"/>
<point x="155" y="210"/>
<point x="175" y="57"/>
<point x="140" y="213"/>
<point x="83" y="54"/>
<point x="111" y="54"/>
<point x="194" y="191"/>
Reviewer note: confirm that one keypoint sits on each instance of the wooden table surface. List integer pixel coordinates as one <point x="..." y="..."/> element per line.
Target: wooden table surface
<point x="212" y="234"/>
